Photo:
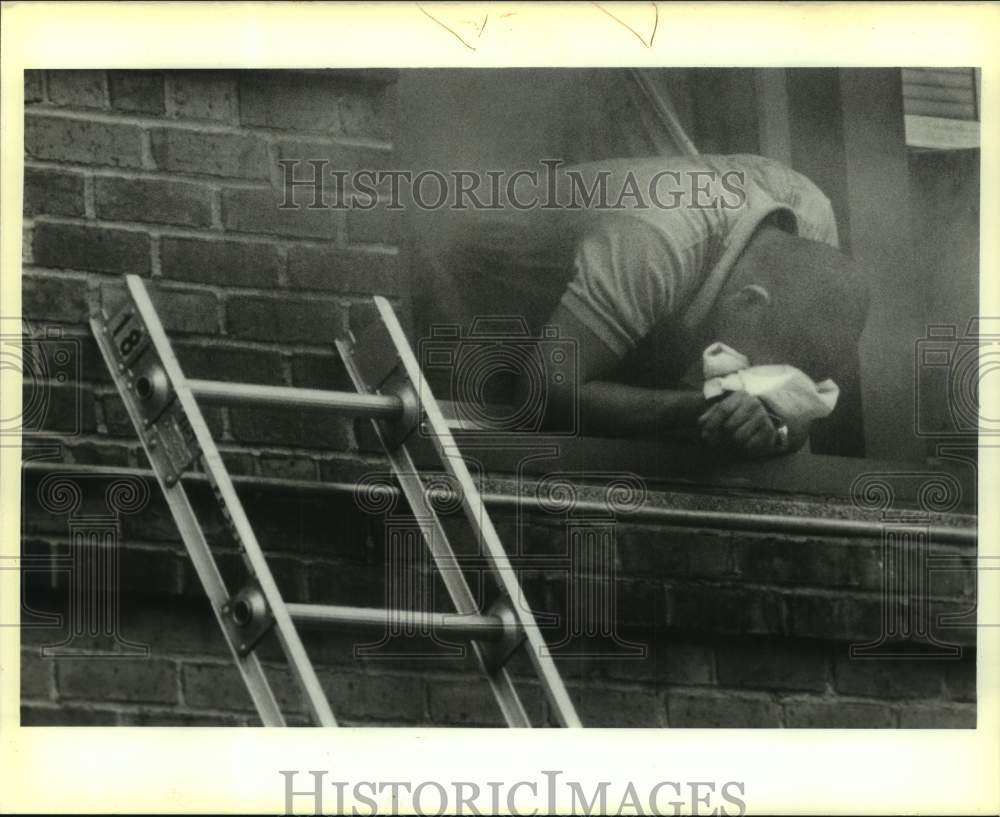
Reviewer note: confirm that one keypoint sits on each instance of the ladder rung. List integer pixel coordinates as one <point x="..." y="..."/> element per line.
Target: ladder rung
<point x="385" y="406"/>
<point x="466" y="626"/>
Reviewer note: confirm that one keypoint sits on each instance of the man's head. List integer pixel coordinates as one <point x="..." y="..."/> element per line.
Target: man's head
<point x="795" y="301"/>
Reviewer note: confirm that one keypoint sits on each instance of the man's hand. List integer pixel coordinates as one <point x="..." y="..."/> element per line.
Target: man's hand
<point x="739" y="422"/>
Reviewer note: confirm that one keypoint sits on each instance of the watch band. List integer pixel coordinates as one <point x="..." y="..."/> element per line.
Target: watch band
<point x="782" y="443"/>
<point x="781" y="433"/>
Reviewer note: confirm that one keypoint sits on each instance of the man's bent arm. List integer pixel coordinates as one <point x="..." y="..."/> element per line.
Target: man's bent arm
<point x="618" y="409"/>
<point x="608" y="408"/>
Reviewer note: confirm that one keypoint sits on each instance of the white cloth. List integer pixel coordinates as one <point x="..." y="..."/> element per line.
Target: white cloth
<point x="786" y="391"/>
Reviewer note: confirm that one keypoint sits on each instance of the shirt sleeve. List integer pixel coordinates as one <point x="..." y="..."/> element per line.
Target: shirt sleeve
<point x="823" y="223"/>
<point x="813" y="214"/>
<point x="813" y="211"/>
<point x="624" y="281"/>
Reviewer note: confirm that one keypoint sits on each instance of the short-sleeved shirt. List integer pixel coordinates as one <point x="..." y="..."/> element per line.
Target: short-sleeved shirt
<point x="653" y="268"/>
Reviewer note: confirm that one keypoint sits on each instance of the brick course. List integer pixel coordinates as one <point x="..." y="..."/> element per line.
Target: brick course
<point x="49" y="191"/>
<point x="91" y="248"/>
<point x="201" y="95"/>
<point x="137" y="91"/>
<point x="79" y="89"/>
<point x="213" y="154"/>
<point x="153" y="200"/>
<point x="80" y="141"/>
<point x="220" y="263"/>
<point x="120" y="679"/>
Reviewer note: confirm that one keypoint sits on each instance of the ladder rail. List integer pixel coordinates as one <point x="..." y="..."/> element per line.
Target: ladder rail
<point x="288" y="637"/>
<point x="249" y="665"/>
<point x="501" y="684"/>
<point x="478" y="517"/>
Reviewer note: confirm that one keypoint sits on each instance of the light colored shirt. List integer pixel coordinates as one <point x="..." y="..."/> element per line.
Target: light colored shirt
<point x="665" y="255"/>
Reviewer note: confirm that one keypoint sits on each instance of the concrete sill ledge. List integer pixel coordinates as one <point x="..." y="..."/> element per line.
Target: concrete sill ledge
<point x="942" y="486"/>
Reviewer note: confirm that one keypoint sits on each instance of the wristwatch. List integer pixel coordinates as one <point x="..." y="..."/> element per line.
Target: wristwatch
<point x="780" y="433"/>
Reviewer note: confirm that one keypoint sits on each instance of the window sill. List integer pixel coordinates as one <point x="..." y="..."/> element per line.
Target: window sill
<point x="662" y="463"/>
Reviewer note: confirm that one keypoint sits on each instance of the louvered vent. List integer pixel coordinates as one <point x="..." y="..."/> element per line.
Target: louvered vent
<point x="946" y="93"/>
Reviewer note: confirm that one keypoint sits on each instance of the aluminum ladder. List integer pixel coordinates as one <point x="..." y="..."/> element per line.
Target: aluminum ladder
<point x="162" y="405"/>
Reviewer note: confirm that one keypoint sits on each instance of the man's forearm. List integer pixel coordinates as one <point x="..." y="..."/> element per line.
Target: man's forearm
<point x="620" y="410"/>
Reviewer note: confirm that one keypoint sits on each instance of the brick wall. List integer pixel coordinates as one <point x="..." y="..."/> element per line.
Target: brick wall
<point x="740" y="630"/>
<point x="171" y="175"/>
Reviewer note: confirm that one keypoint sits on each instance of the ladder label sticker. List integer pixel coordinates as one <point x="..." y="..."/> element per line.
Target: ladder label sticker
<point x="171" y="442"/>
<point x="129" y="337"/>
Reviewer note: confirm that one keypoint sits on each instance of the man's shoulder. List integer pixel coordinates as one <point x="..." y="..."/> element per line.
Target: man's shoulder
<point x="790" y="190"/>
<point x="773" y="176"/>
<point x="648" y="165"/>
<point x="677" y="196"/>
<point x="624" y="170"/>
